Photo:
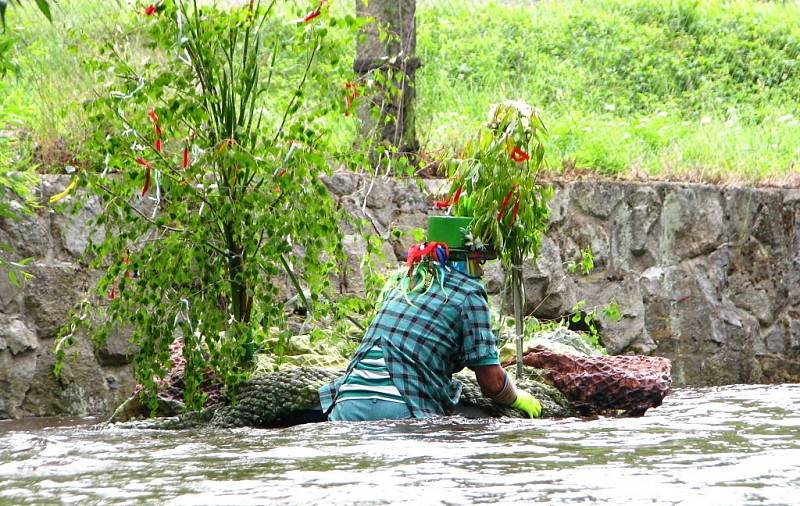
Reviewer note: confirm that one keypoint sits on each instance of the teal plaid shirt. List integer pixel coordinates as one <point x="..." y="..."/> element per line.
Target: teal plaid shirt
<point x="425" y="342"/>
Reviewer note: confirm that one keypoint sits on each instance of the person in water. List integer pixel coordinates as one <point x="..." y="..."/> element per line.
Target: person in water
<point x="433" y="321"/>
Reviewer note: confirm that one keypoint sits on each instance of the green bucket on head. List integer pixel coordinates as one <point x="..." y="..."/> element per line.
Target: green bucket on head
<point x="450" y="230"/>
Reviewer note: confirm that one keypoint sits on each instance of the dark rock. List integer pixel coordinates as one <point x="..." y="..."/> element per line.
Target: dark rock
<point x="691" y="223"/>
<point x="16" y="375"/>
<point x="51" y="293"/>
<point x="342" y="183"/>
<point x="598" y="200"/>
<point x="709" y="339"/>
<point x="28" y="235"/>
<point x="117" y="350"/>
<point x="81" y="390"/>
<point x="548" y="295"/>
<point x="74" y="228"/>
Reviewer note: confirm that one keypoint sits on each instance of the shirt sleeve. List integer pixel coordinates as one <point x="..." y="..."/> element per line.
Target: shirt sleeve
<point x="479" y="345"/>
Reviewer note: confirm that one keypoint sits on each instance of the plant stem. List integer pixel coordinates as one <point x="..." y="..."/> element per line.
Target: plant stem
<point x="295" y="282"/>
<point x="516" y="285"/>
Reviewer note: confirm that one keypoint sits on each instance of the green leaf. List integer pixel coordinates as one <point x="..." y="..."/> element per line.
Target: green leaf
<point x="12" y="277"/>
<point x="45" y="8"/>
<point x="611" y="311"/>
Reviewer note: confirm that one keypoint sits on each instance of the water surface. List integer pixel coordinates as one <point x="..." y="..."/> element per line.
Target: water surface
<point x="717" y="446"/>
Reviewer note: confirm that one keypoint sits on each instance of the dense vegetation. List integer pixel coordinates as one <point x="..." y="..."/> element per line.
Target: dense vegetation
<point x="705" y="89"/>
<point x="222" y="139"/>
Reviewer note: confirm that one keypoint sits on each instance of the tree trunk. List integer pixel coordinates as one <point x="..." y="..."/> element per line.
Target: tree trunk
<point x="385" y="54"/>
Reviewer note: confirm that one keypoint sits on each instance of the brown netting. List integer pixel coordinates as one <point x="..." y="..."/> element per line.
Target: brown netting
<point x="604" y="384"/>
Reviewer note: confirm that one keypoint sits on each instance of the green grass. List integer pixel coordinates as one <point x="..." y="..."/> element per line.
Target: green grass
<point x="43" y="97"/>
<point x="678" y="89"/>
<point x="669" y="88"/>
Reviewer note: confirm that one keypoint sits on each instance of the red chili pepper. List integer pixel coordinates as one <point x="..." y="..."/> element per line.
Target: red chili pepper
<point x="518" y="155"/>
<point x="348" y="101"/>
<point x="351" y="93"/>
<point x="505" y="202"/>
<point x="156" y="125"/>
<point x="126" y="260"/>
<point x="185" y="163"/>
<point x="143" y="162"/>
<point x="159" y="146"/>
<point x="442" y="204"/>
<point x="312" y="15"/>
<point x="457" y="195"/>
<point x="112" y="294"/>
<point x="514" y="213"/>
<point x="146" y="187"/>
<point x="150" y="10"/>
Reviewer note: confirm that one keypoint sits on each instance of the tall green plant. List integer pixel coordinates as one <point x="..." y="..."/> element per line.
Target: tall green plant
<point x="497" y="174"/>
<point x="211" y="163"/>
<point x="16" y="201"/>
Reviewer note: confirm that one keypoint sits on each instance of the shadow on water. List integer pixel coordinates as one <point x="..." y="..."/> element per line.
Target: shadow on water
<point x="727" y="445"/>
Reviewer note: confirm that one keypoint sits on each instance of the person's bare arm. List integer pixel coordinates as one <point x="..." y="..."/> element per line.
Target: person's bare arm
<point x="491" y="379"/>
<point x="499" y="387"/>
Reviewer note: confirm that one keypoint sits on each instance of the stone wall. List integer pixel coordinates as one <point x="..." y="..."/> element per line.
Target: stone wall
<point x="93" y="381"/>
<point x="704" y="275"/>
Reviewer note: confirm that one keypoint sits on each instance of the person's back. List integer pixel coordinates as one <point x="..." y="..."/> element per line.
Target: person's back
<point x="425" y="336"/>
<point x="421" y="335"/>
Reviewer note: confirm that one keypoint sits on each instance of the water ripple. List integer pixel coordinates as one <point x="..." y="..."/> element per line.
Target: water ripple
<point x="713" y="446"/>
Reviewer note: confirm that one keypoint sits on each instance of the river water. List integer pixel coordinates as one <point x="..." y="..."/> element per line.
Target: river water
<point x="715" y="446"/>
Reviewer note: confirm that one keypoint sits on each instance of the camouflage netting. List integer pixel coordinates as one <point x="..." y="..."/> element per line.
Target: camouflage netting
<point x="554" y="403"/>
<point x="567" y="382"/>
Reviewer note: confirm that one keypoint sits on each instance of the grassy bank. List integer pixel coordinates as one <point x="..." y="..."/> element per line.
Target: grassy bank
<point x="702" y="90"/>
<point x="705" y="89"/>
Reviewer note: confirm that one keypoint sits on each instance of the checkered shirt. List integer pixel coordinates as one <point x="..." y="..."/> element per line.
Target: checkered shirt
<point x="425" y="342"/>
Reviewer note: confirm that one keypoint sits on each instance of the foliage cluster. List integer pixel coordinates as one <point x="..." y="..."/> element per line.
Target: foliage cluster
<point x="45" y="97"/>
<point x="15" y="185"/>
<point x="497" y="173"/>
<point x="208" y="157"/>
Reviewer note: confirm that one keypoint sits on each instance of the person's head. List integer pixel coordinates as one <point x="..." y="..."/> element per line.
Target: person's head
<point x="471" y="266"/>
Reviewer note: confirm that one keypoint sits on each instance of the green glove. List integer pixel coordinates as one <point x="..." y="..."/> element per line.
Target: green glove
<point x="527" y="403"/>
